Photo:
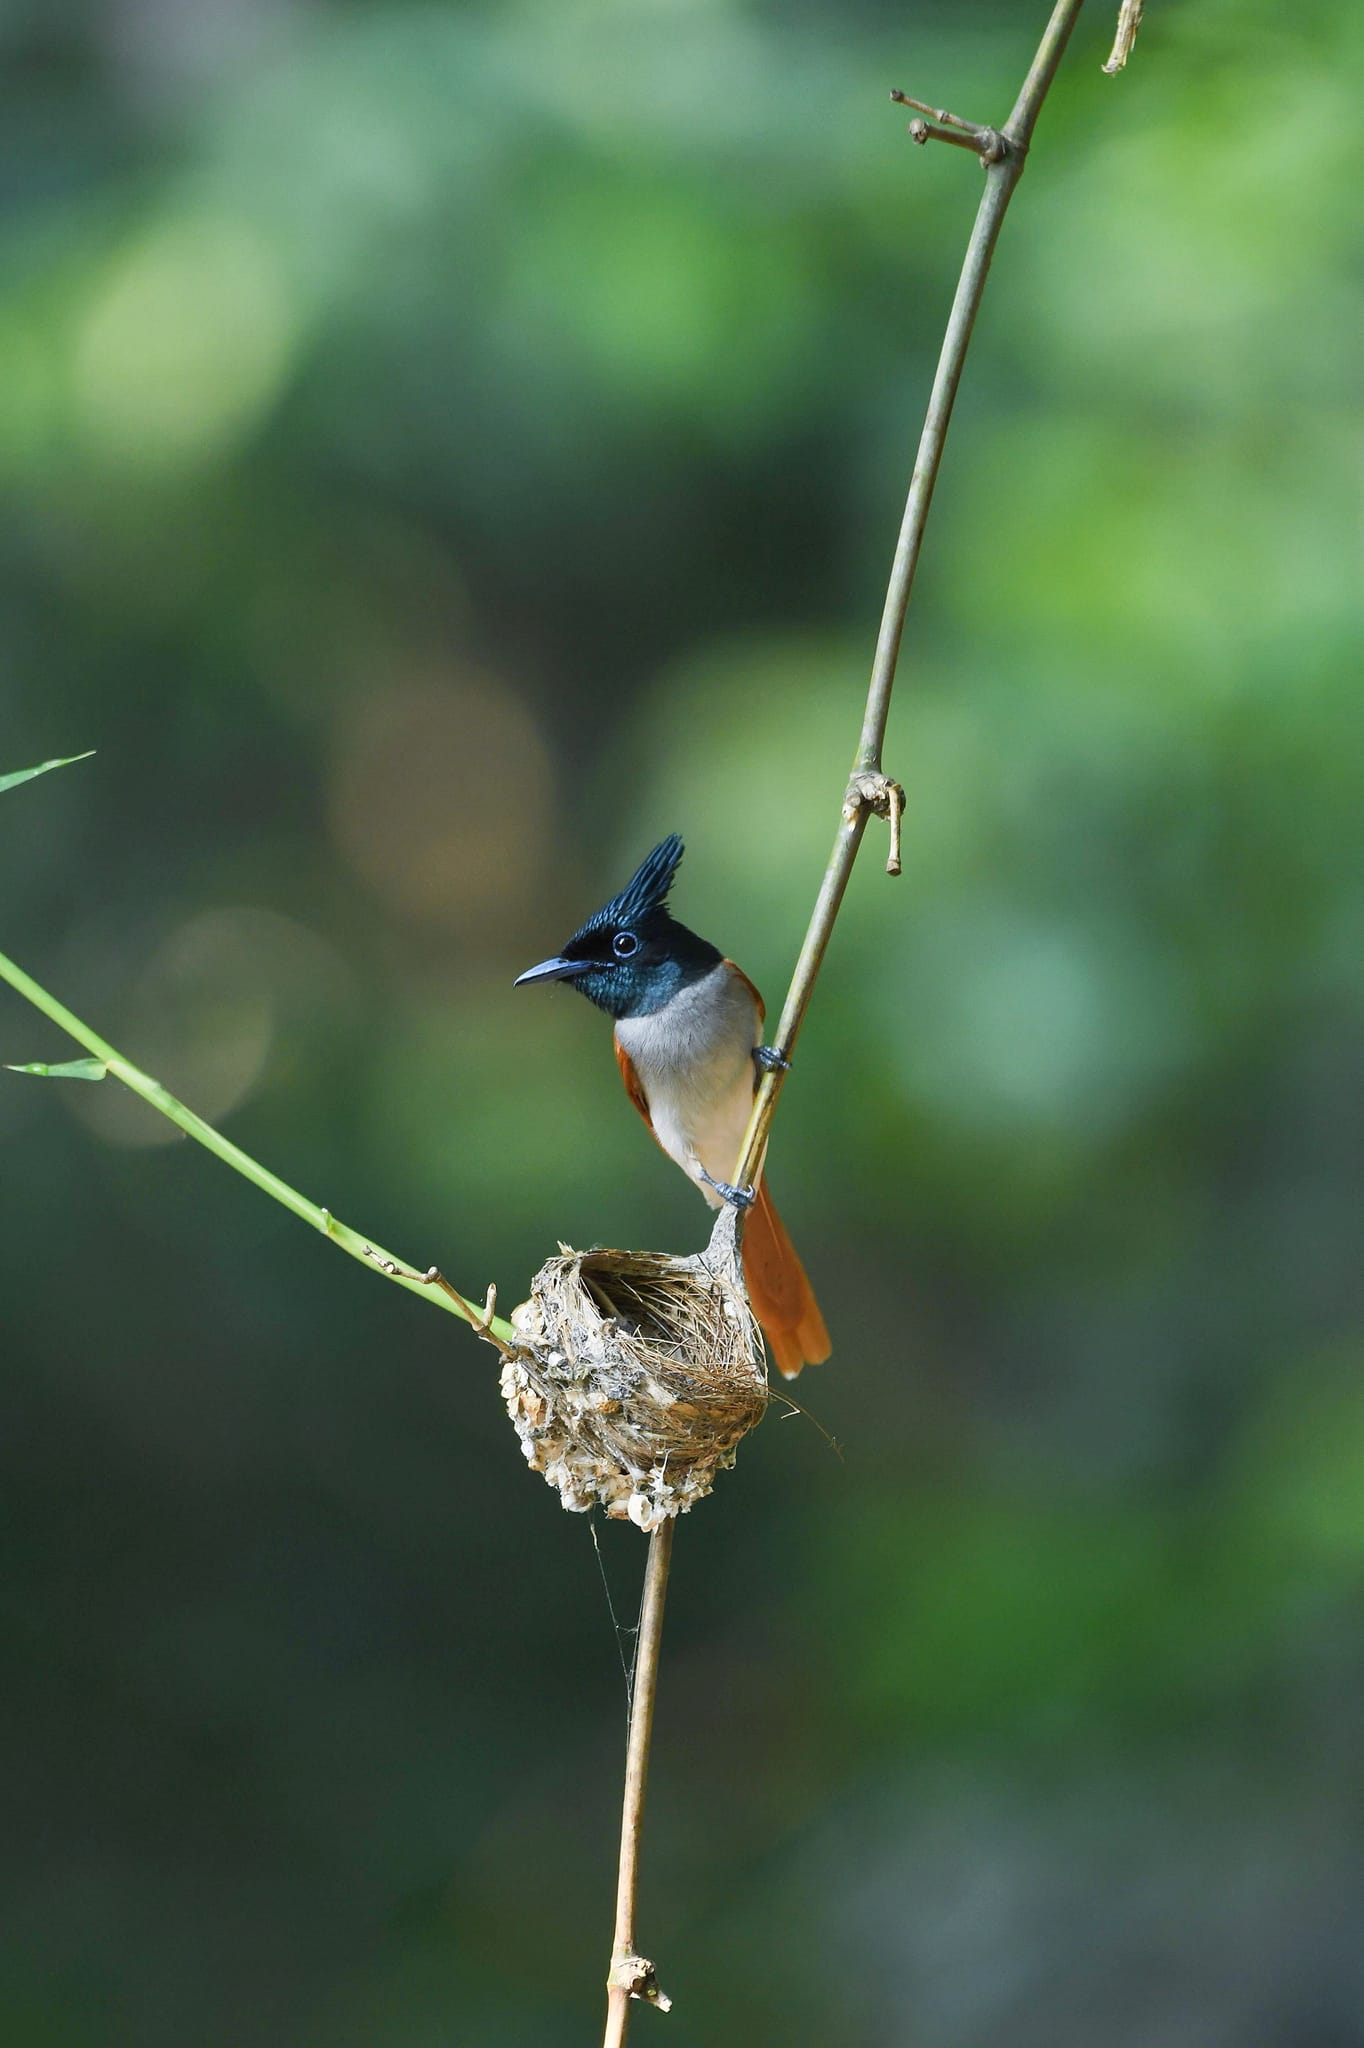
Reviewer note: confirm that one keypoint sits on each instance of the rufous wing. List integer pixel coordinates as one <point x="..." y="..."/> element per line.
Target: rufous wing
<point x="631" y="1080"/>
<point x="758" y="1002"/>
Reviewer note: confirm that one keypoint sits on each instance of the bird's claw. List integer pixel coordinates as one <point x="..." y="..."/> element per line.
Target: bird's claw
<point x="738" y="1198"/>
<point x="768" y="1060"/>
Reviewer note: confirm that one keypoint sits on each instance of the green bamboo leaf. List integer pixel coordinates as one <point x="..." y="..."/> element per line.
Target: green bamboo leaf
<point x="27" y="775"/>
<point x="72" y="1070"/>
<point x="108" y="1060"/>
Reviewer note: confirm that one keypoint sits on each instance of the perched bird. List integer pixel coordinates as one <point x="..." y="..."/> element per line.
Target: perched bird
<point x="688" y="1040"/>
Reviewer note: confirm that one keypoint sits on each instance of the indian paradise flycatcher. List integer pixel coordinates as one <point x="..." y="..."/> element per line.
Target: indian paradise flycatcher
<point x="688" y="1040"/>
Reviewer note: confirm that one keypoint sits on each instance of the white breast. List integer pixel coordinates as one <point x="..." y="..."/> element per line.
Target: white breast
<point x="694" y="1060"/>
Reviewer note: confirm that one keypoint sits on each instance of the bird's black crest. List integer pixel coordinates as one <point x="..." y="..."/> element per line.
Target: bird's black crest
<point x="647" y="889"/>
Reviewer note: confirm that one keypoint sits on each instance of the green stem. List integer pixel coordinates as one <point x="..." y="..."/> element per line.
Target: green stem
<point x="1001" y="178"/>
<point x="371" y="1255"/>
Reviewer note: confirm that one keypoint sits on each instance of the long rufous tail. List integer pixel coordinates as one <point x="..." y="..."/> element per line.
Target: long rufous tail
<point x="783" y="1299"/>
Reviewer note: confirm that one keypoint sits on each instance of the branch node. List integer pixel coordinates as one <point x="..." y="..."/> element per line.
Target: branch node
<point x="480" y="1321"/>
<point x="941" y="126"/>
<point x="637" y="1978"/>
<point x="870" y="790"/>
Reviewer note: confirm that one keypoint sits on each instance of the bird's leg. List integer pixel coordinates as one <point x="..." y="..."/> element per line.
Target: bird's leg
<point x="768" y="1060"/>
<point x="738" y="1198"/>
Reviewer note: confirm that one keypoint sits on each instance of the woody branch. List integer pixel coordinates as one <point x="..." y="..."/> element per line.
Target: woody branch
<point x="870" y="790"/>
<point x="1003" y="153"/>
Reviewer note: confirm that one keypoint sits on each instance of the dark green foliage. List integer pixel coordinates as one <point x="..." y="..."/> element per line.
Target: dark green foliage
<point x="442" y="449"/>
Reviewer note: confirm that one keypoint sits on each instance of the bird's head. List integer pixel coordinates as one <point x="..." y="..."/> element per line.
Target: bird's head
<point x="633" y="956"/>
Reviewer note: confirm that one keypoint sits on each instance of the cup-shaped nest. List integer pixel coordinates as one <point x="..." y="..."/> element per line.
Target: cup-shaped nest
<point x="635" y="1375"/>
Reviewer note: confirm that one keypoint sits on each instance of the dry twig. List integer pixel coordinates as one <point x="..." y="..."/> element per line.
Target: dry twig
<point x="1129" y="21"/>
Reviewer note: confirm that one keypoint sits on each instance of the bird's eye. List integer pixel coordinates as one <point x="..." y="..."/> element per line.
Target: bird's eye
<point x="624" y="944"/>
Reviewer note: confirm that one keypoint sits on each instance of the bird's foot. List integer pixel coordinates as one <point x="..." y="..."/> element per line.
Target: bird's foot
<point x="768" y="1060"/>
<point x="738" y="1198"/>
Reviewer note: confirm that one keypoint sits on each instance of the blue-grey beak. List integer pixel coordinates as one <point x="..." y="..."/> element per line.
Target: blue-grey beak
<point x="552" y="970"/>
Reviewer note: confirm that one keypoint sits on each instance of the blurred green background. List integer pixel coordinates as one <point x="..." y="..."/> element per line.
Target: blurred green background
<point x="442" y="450"/>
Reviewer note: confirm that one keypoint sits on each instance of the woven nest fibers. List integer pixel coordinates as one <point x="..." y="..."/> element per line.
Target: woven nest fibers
<point x="635" y="1376"/>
